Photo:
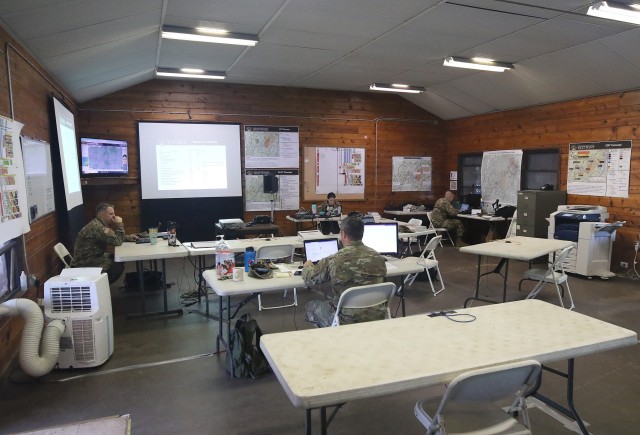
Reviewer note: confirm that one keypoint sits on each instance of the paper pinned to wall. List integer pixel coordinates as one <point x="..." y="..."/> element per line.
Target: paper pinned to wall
<point x="500" y="175"/>
<point x="38" y="177"/>
<point x="13" y="191"/>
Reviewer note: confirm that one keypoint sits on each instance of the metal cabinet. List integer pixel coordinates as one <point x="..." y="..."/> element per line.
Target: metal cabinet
<point x="534" y="208"/>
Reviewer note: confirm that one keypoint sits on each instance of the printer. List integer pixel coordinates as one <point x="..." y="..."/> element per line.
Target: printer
<point x="593" y="238"/>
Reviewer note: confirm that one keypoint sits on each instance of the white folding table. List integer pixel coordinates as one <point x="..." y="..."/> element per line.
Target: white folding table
<point x="320" y="368"/>
<point x="139" y="252"/>
<point x="512" y="248"/>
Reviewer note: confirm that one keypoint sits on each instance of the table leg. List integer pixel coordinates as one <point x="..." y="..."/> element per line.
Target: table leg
<point x="504" y="262"/>
<point x="143" y="313"/>
<point x="571" y="412"/>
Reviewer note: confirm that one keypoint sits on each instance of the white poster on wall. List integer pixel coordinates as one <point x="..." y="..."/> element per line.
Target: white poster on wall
<point x="13" y="192"/>
<point x="599" y="168"/>
<point x="500" y="175"/>
<point x="271" y="147"/>
<point x="339" y="170"/>
<point x="287" y="197"/>
<point x="38" y="177"/>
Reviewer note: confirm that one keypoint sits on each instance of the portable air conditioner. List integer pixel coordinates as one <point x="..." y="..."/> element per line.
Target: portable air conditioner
<point x="84" y="303"/>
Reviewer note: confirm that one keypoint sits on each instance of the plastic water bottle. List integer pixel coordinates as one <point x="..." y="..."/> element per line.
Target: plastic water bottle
<point x="23" y="281"/>
<point x="225" y="260"/>
<point x="249" y="258"/>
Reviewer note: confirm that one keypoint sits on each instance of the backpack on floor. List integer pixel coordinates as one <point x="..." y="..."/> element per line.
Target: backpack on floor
<point x="244" y="358"/>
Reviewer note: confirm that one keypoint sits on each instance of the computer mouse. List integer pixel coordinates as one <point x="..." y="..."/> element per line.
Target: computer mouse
<point x="300" y="267"/>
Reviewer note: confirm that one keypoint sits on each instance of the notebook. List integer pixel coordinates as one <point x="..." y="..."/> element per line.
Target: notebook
<point x="316" y="250"/>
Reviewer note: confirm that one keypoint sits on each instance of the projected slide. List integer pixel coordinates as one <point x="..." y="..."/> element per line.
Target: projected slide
<point x="191" y="167"/>
<point x="65" y="127"/>
<point x="189" y="160"/>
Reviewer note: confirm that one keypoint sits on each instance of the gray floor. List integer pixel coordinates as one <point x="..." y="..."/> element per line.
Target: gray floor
<point x="163" y="374"/>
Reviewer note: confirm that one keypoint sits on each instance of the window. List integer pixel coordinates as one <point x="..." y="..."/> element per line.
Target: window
<point x="11" y="266"/>
<point x="469" y="174"/>
<point x="539" y="167"/>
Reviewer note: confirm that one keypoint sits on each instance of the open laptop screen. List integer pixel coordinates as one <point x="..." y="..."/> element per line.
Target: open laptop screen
<point x="383" y="237"/>
<point x="316" y="250"/>
<point x="465" y="208"/>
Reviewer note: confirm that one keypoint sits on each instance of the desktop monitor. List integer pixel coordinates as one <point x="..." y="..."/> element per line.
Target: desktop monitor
<point x="102" y="157"/>
<point x="316" y="250"/>
<point x="473" y="199"/>
<point x="383" y="237"/>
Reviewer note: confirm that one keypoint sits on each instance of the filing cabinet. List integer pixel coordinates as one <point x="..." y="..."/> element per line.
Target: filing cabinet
<point x="534" y="208"/>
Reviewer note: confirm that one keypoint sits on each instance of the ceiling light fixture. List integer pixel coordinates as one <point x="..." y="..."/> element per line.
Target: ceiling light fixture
<point x="478" y="63"/>
<point x="616" y="11"/>
<point x="201" y="34"/>
<point x="396" y="87"/>
<point x="190" y="73"/>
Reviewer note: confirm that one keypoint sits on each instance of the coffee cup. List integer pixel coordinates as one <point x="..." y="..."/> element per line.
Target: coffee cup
<point x="153" y="235"/>
<point x="238" y="274"/>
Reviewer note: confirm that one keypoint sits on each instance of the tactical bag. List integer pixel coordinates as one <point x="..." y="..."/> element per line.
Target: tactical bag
<point x="244" y="359"/>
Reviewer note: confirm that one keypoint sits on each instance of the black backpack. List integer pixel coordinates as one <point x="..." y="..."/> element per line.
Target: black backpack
<point x="244" y="359"/>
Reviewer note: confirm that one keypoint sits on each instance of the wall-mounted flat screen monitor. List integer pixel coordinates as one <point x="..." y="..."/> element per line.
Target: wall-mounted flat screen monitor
<point x="103" y="157"/>
<point x="383" y="237"/>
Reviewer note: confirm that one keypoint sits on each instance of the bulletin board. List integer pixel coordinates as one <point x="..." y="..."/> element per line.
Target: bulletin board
<point x="38" y="176"/>
<point x="332" y="169"/>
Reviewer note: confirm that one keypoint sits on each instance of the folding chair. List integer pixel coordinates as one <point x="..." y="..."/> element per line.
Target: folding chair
<point x="274" y="253"/>
<point x="429" y="261"/>
<point x="467" y="404"/>
<point x="63" y="253"/>
<point x="365" y="296"/>
<point x="553" y="274"/>
<point x="440" y="231"/>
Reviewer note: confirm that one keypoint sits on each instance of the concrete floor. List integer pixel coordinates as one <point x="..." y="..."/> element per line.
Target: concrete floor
<point x="164" y="375"/>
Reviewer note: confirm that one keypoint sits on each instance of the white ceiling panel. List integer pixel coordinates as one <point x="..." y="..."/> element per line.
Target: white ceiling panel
<point x="95" y="47"/>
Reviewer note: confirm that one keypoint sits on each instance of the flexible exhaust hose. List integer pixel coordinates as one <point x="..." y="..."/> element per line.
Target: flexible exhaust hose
<point x="31" y="361"/>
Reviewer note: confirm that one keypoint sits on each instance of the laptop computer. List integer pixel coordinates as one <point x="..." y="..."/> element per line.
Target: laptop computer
<point x="316" y="250"/>
<point x="465" y="209"/>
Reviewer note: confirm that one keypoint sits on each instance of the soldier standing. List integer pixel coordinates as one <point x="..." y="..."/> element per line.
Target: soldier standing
<point x="356" y="264"/>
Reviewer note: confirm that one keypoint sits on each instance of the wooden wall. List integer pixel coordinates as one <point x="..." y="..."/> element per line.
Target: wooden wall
<point x="386" y="123"/>
<point x="603" y="118"/>
<point x="31" y="88"/>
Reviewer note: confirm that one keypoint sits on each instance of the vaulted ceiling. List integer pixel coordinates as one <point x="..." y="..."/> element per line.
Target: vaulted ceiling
<point x="96" y="47"/>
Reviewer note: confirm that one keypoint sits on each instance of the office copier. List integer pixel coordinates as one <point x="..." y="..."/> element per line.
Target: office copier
<point x="592" y="237"/>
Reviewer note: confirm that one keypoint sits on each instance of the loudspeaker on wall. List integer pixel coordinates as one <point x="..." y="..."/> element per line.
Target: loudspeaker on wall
<point x="270" y="184"/>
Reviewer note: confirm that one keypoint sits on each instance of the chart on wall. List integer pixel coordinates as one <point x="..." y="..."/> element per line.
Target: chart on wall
<point x="599" y="168"/>
<point x="286" y="198"/>
<point x="271" y="147"/>
<point x="500" y="176"/>
<point x="13" y="196"/>
<point x="411" y="174"/>
<point x="39" y="178"/>
<point x="340" y="170"/>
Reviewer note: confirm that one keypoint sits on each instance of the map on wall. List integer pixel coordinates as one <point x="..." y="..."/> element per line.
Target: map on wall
<point x="287" y="197"/>
<point x="599" y="168"/>
<point x="500" y="176"/>
<point x="13" y="191"/>
<point x="271" y="147"/>
<point x="340" y="170"/>
<point x="411" y="174"/>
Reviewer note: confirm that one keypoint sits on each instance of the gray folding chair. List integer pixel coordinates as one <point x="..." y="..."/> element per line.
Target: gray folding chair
<point x="553" y="274"/>
<point x="468" y="404"/>
<point x="274" y="253"/>
<point x="441" y="231"/>
<point x="365" y="296"/>
<point x="429" y="261"/>
<point x="63" y="254"/>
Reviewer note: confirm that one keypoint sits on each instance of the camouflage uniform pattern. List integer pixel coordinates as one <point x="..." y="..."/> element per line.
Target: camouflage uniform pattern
<point x="354" y="265"/>
<point x="90" y="249"/>
<point x="329" y="227"/>
<point x="443" y="216"/>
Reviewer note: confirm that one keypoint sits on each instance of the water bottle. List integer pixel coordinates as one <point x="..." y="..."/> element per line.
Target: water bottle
<point x="23" y="281"/>
<point x="225" y="260"/>
<point x="249" y="258"/>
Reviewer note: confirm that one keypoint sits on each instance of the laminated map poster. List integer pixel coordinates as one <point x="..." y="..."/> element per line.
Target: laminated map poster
<point x="287" y="198"/>
<point x="599" y="168"/>
<point x="411" y="174"/>
<point x="500" y="176"/>
<point x="271" y="147"/>
<point x="13" y="191"/>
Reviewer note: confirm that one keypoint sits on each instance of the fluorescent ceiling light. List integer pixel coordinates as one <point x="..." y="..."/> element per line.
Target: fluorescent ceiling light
<point x="478" y="63"/>
<point x="190" y="73"/>
<point x="616" y="11"/>
<point x="201" y="34"/>
<point x="396" y="87"/>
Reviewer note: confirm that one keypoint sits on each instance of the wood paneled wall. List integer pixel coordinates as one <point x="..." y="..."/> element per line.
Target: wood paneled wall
<point x="31" y="88"/>
<point x="385" y="125"/>
<point x="603" y="118"/>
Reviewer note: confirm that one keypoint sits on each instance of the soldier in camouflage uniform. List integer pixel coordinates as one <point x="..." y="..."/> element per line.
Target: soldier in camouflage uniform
<point x="105" y="230"/>
<point x="444" y="216"/>
<point x="354" y="265"/>
<point x="330" y="207"/>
